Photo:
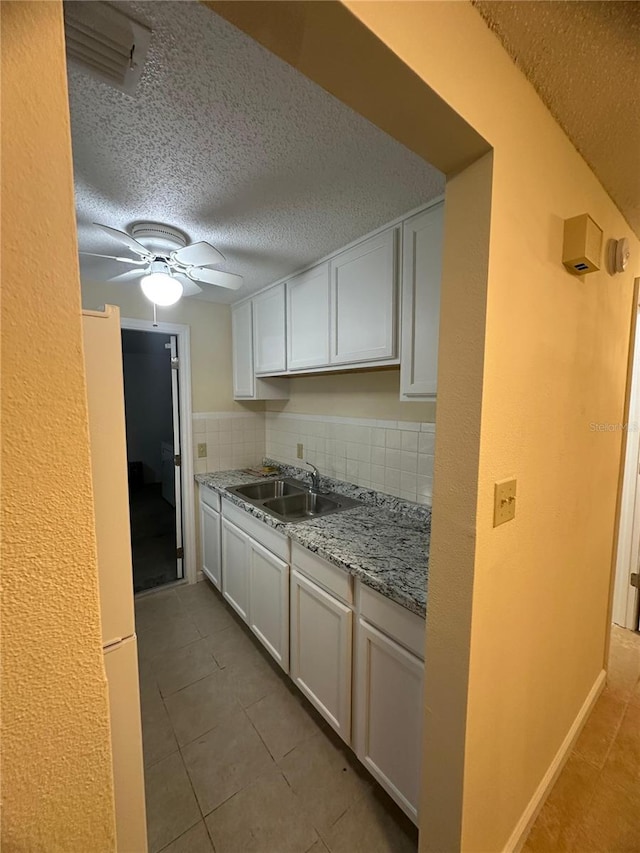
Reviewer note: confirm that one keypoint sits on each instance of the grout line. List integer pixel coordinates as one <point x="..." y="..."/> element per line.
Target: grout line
<point x="166" y="846"/>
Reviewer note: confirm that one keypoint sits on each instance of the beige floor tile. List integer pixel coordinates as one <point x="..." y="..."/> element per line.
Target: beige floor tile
<point x="193" y="594"/>
<point x="171" y="804"/>
<point x="225" y="760"/>
<point x="372" y="825"/>
<point x="600" y="729"/>
<point x="158" y="739"/>
<point x="233" y="645"/>
<point x="323" y="779"/>
<point x="181" y="667"/>
<point x="200" y="707"/>
<point x="634" y="698"/>
<point x="166" y="634"/>
<point x="211" y="617"/>
<point x="612" y="822"/>
<point x="194" y="840"/>
<point x="623" y="671"/>
<point x="622" y="767"/>
<point x="254" y="679"/>
<point x="563" y="812"/>
<point x="282" y="722"/>
<point x="158" y="605"/>
<point x="148" y="684"/>
<point x="262" y="818"/>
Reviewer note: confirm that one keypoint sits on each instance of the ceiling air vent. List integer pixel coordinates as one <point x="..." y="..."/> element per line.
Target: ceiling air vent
<point x="106" y="42"/>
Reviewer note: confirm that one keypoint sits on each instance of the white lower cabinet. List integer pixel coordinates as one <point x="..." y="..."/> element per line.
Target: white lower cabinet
<point x="356" y="655"/>
<point x="210" y="544"/>
<point x="269" y="601"/>
<point x="235" y="568"/>
<point x="321" y="638"/>
<point x="388" y="708"/>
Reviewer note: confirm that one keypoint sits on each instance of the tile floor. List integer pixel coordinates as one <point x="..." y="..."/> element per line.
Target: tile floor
<point x="594" y="806"/>
<point x="236" y="761"/>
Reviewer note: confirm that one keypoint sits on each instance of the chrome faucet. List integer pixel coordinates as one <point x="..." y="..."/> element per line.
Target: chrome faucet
<point x="315" y="478"/>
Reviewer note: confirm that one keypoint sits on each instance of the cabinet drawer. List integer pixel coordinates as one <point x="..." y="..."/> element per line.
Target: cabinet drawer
<point x="405" y="627"/>
<point x="210" y="498"/>
<point x="258" y="530"/>
<point x="330" y="577"/>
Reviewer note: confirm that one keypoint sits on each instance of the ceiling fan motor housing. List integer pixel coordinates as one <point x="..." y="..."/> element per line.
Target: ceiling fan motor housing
<point x="158" y="238"/>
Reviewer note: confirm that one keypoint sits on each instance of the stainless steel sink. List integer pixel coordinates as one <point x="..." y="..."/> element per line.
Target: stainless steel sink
<point x="268" y="489"/>
<point x="302" y="506"/>
<point x="291" y="500"/>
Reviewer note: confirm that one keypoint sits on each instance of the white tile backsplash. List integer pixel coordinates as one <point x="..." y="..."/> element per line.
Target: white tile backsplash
<point x="391" y="456"/>
<point x="395" y="457"/>
<point x="234" y="440"/>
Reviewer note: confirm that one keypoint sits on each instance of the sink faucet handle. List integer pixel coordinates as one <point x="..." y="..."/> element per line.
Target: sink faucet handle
<point x="315" y="476"/>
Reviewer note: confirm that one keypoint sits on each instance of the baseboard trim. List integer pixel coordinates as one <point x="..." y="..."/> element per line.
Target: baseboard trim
<point x="519" y="834"/>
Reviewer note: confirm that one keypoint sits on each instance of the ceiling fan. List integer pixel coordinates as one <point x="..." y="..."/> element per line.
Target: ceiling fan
<point x="167" y="265"/>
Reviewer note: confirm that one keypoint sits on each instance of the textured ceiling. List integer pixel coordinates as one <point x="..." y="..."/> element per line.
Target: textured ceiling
<point x="583" y="58"/>
<point x="230" y="144"/>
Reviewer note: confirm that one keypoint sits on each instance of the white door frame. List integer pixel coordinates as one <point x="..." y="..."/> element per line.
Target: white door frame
<point x="182" y="332"/>
<point x="625" y="597"/>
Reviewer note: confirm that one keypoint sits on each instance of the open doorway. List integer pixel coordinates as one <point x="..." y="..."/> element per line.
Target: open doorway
<point x="153" y="456"/>
<point x="627" y="570"/>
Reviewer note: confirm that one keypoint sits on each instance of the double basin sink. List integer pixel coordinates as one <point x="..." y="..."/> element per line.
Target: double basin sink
<point x="291" y="500"/>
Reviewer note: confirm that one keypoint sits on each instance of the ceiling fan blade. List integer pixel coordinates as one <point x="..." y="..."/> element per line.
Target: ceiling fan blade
<point x="190" y="287"/>
<point x="115" y="258"/>
<point x="215" y="277"/>
<point x="199" y="255"/>
<point x="129" y="275"/>
<point x="123" y="237"/>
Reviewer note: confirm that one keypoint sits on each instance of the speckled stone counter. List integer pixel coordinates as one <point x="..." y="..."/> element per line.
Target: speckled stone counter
<point x="384" y="542"/>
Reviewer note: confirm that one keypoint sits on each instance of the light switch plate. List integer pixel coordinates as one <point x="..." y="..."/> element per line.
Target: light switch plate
<point x="504" y="506"/>
<point x="202" y="450"/>
<point x="300" y="451"/>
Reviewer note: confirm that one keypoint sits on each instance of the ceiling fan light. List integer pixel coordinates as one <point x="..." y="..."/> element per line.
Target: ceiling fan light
<point x="161" y="289"/>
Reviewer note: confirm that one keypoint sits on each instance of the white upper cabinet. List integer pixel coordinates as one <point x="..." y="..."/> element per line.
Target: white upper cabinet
<point x="242" y="336"/>
<point x="246" y="386"/>
<point x="421" y="273"/>
<point x="364" y="300"/>
<point x="269" y="331"/>
<point x="308" y="319"/>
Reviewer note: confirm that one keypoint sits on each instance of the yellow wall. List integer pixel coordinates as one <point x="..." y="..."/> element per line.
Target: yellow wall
<point x="211" y="377"/>
<point x="56" y="759"/>
<point x="555" y="361"/>
<point x="529" y="357"/>
<point x="370" y="394"/>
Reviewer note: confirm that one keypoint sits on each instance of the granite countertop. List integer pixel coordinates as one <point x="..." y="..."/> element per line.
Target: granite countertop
<point x="384" y="542"/>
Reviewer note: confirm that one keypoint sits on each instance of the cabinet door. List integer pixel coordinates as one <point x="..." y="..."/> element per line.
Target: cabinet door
<point x="363" y="301"/>
<point x="388" y="714"/>
<point x="421" y="273"/>
<point x="242" y="341"/>
<point x="308" y="319"/>
<point x="321" y="651"/>
<point x="268" y="331"/>
<point x="269" y="601"/>
<point x="235" y="568"/>
<point x="210" y="544"/>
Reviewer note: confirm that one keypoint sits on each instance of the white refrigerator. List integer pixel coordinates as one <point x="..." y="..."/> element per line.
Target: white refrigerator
<point x="105" y="395"/>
